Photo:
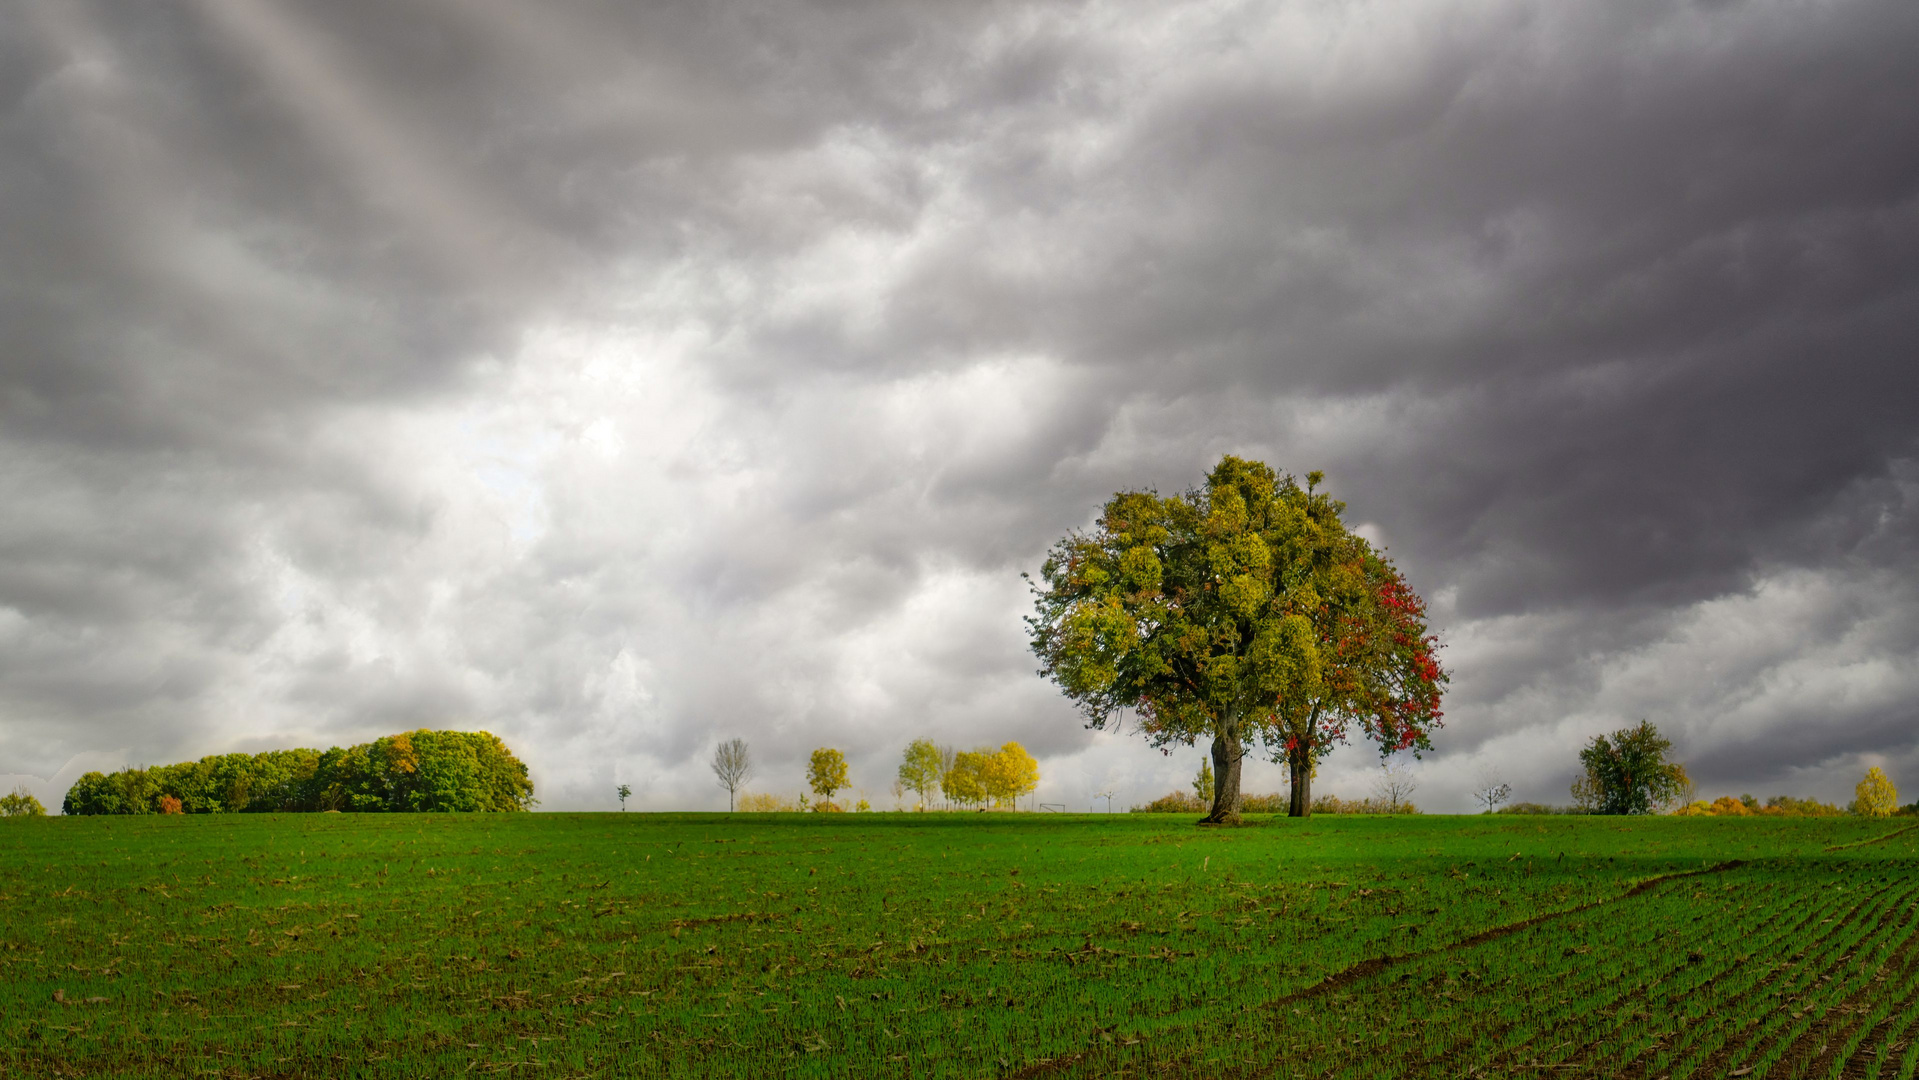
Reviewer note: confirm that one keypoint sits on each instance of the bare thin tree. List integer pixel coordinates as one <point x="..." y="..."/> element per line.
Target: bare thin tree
<point x="732" y="766"/>
<point x="1489" y="790"/>
<point x="1395" y="785"/>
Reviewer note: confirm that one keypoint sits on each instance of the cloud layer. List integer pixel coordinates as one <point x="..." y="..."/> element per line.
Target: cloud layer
<point x="626" y="378"/>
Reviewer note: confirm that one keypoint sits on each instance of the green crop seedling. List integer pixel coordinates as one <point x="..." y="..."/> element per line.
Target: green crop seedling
<point x="957" y="945"/>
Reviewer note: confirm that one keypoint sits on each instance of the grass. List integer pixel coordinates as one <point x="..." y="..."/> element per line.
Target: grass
<point x="957" y="945"/>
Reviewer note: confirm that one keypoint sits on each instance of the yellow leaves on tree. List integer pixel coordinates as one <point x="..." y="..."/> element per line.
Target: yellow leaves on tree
<point x="826" y="772"/>
<point x="1875" y="796"/>
<point x="989" y="776"/>
<point x="21" y="803"/>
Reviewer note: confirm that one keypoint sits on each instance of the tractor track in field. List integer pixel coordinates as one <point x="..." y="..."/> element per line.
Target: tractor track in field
<point x="1875" y="840"/>
<point x="1367" y="968"/>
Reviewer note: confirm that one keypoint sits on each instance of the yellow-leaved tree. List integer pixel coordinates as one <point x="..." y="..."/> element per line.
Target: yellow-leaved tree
<point x="826" y="773"/>
<point x="1875" y="796"/>
<point x="21" y="803"/>
<point x="987" y="775"/>
<point x="1009" y="774"/>
<point x="965" y="782"/>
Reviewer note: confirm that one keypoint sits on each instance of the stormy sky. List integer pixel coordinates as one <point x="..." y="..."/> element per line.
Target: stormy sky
<point x="624" y="377"/>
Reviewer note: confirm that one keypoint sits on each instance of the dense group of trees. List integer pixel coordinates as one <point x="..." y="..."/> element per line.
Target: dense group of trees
<point x="973" y="778"/>
<point x="415" y="771"/>
<point x="1243" y="612"/>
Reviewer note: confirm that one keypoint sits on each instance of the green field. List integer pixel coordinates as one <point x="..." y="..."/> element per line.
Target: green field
<point x="957" y="945"/>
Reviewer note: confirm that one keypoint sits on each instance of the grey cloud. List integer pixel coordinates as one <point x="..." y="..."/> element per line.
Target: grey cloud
<point x="630" y="376"/>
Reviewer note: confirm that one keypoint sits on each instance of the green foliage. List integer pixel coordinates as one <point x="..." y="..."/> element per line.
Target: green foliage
<point x="826" y="773"/>
<point x="1180" y="802"/>
<point x="1241" y="611"/>
<point x="1787" y="806"/>
<point x="1537" y="808"/>
<point x="447" y="771"/>
<point x="652" y="945"/>
<point x="920" y="769"/>
<point x="1176" y="802"/>
<point x="1627" y="773"/>
<point x="1203" y="782"/>
<point x="21" y="803"/>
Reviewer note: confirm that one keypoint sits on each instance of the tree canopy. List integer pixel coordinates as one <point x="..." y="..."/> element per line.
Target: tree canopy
<point x="1875" y="796"/>
<point x="1627" y="773"/>
<point x="425" y="770"/>
<point x="826" y="772"/>
<point x="21" y="803"/>
<point x="920" y="769"/>
<point x="1241" y="611"/>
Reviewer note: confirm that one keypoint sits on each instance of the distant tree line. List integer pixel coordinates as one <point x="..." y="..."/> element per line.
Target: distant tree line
<point x="421" y="771"/>
<point x="971" y="778"/>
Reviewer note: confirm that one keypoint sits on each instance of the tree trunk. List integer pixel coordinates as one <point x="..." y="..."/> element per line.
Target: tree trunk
<point x="1227" y="753"/>
<point x="1300" y="761"/>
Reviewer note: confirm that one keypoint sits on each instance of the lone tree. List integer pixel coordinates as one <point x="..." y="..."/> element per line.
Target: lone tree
<point x="920" y="769"/>
<point x="1394" y="786"/>
<point x="1242" y="611"/>
<point x="1627" y="773"/>
<point x="1203" y="782"/>
<point x="1489" y="790"/>
<point x="1875" y="796"/>
<point x="826" y="773"/>
<point x="623" y="791"/>
<point x="732" y="766"/>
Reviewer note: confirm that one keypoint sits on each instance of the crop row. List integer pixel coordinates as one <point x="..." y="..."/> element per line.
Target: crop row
<point x="1689" y="980"/>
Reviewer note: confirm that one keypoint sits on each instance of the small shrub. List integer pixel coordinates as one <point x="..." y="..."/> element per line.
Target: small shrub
<point x="1177" y="802"/>
<point x="767" y="804"/>
<point x="1186" y="802"/>
<point x="1333" y="804"/>
<point x="170" y="805"/>
<point x="1536" y="808"/>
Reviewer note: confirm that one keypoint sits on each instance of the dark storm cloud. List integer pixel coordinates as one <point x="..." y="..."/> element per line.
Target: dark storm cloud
<point x="620" y="377"/>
